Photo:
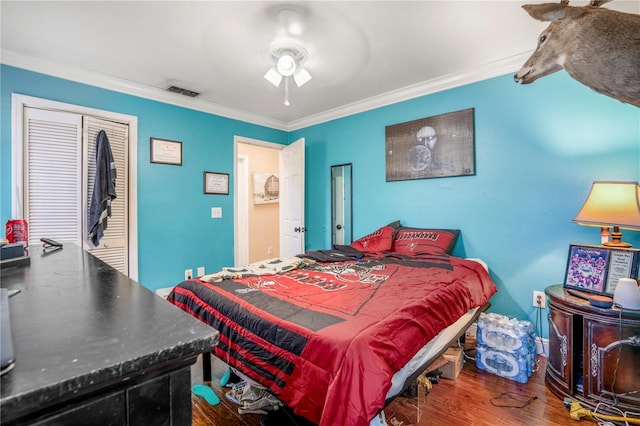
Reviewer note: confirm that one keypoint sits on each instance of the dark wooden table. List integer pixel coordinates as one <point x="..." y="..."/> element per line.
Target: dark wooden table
<point x="95" y="347"/>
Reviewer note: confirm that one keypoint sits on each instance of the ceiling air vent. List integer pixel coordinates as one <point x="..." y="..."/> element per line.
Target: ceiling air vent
<point x="180" y="90"/>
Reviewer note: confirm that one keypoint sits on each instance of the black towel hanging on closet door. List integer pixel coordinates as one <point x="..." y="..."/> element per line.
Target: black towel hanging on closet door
<point x="104" y="189"/>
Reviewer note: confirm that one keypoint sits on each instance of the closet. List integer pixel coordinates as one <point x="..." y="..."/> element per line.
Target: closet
<point x="58" y="172"/>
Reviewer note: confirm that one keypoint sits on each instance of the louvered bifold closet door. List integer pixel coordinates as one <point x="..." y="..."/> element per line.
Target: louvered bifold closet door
<point x="113" y="248"/>
<point x="52" y="175"/>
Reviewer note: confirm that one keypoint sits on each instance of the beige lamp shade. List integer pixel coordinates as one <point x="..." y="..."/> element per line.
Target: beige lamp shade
<point x="612" y="204"/>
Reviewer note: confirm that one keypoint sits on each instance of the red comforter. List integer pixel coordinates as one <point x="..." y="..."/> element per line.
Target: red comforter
<point x="326" y="339"/>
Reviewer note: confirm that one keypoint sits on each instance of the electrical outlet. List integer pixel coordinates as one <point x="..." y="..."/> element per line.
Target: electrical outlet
<point x="539" y="299"/>
<point x="200" y="271"/>
<point x="188" y="274"/>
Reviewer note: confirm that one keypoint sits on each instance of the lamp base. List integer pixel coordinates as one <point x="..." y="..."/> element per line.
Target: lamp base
<point x="616" y="244"/>
<point x="616" y="239"/>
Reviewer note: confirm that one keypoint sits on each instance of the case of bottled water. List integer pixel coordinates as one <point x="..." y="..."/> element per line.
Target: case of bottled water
<point x="506" y="347"/>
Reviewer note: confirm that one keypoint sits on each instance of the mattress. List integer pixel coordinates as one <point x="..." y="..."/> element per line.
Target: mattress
<point x="333" y="339"/>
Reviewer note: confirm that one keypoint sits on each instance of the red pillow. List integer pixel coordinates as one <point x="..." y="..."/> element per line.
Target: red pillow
<point x="420" y="240"/>
<point x="379" y="240"/>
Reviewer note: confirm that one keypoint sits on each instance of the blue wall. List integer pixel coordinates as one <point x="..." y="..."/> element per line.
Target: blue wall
<point x="175" y="229"/>
<point x="538" y="148"/>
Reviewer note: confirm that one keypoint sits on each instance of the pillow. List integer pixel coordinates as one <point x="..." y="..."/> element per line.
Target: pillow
<point x="421" y="240"/>
<point x="379" y="240"/>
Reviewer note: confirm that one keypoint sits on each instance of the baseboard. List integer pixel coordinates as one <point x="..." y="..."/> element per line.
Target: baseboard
<point x="542" y="346"/>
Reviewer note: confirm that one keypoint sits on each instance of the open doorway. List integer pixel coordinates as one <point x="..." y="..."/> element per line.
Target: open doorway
<point x="258" y="200"/>
<point x="269" y="200"/>
<point x="268" y="181"/>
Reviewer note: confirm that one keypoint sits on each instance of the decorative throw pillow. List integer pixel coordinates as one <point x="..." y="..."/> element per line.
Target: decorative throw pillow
<point x="420" y="240"/>
<point x="379" y="240"/>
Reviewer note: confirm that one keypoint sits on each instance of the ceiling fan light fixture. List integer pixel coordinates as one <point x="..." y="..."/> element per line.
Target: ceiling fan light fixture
<point x="288" y="55"/>
<point x="301" y="76"/>
<point x="286" y="65"/>
<point x="273" y="76"/>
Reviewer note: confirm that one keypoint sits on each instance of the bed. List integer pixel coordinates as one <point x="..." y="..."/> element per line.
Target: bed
<point x="335" y="334"/>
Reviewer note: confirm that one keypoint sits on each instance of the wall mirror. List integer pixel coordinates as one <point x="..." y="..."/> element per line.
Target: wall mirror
<point x="341" y="204"/>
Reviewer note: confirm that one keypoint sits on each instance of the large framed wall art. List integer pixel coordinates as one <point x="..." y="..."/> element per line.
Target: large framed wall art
<point x="438" y="146"/>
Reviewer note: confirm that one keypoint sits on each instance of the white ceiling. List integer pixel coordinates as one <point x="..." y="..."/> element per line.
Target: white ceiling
<point x="362" y="54"/>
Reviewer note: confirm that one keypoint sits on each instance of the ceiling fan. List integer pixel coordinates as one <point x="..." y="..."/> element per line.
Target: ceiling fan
<point x="288" y="54"/>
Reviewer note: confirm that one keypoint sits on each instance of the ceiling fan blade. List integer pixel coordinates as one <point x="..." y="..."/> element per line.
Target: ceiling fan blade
<point x="273" y="76"/>
<point x="301" y="76"/>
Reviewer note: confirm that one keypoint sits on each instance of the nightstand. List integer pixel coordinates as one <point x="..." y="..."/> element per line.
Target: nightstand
<point x="593" y="352"/>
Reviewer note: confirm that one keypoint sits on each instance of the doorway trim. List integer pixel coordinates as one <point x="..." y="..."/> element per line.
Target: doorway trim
<point x="242" y="211"/>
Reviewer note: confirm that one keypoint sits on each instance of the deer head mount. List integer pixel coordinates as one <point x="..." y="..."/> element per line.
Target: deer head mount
<point x="598" y="47"/>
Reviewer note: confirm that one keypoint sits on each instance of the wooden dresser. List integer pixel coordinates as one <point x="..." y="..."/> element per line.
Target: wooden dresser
<point x="95" y="347"/>
<point x="594" y="353"/>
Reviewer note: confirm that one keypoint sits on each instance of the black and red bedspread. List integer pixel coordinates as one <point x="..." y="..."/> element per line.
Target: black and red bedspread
<point x="326" y="338"/>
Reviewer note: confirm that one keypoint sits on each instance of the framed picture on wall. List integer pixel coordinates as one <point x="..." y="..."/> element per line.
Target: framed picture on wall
<point x="597" y="269"/>
<point x="216" y="183"/>
<point x="164" y="151"/>
<point x="432" y="147"/>
<point x="266" y="188"/>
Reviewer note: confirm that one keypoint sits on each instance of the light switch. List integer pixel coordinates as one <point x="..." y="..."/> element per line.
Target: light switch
<point x="216" y="212"/>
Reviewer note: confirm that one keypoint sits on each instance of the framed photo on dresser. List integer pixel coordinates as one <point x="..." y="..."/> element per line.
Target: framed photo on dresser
<point x="597" y="269"/>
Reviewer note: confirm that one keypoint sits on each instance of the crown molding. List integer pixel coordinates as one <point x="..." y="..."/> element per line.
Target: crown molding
<point x="449" y="81"/>
<point x="9" y="57"/>
<point x="439" y="84"/>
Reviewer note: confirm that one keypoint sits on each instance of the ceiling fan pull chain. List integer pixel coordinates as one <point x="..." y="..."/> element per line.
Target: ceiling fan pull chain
<point x="286" y="91"/>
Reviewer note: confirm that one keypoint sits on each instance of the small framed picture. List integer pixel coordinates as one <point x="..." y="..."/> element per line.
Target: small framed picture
<point x="587" y="268"/>
<point x="623" y="263"/>
<point x="597" y="269"/>
<point x="216" y="183"/>
<point x="164" y="151"/>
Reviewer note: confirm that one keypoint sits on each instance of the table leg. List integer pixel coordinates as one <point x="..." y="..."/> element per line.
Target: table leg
<point x="206" y="366"/>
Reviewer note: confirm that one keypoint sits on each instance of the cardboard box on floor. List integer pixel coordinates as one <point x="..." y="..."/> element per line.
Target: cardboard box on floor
<point x="452" y="368"/>
<point x="449" y="364"/>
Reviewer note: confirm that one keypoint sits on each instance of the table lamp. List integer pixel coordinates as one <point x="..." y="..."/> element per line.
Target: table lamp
<point x="612" y="204"/>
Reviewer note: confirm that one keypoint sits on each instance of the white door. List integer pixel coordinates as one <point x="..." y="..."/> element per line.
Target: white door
<point x="292" y="199"/>
<point x="113" y="247"/>
<point x="59" y="170"/>
<point x="242" y="211"/>
<point x="52" y="175"/>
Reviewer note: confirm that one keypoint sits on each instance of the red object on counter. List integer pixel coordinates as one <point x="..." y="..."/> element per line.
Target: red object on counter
<point x="17" y="231"/>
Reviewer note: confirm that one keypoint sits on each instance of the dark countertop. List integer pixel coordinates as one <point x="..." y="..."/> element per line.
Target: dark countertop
<point x="79" y="324"/>
<point x="558" y="292"/>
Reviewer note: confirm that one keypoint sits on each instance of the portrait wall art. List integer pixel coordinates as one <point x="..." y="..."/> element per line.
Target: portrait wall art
<point x="438" y="146"/>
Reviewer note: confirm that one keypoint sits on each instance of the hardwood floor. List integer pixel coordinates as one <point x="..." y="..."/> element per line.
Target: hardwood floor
<point x="470" y="399"/>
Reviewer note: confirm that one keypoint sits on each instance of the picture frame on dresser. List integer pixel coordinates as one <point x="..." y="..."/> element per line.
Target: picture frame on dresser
<point x="597" y="269"/>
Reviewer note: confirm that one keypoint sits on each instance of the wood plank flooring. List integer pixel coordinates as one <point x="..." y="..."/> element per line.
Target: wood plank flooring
<point x="470" y="399"/>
